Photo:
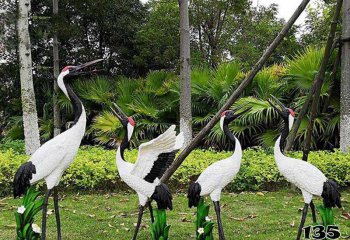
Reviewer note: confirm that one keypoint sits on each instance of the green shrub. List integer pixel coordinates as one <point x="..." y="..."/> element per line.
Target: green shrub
<point x="95" y="168"/>
<point x="16" y="145"/>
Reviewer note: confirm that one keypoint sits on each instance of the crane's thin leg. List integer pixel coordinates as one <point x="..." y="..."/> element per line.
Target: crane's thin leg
<point x="220" y="228"/>
<point x="151" y="211"/>
<point x="57" y="213"/>
<point x="138" y="222"/>
<point x="43" y="225"/>
<point x="302" y="222"/>
<point x="313" y="211"/>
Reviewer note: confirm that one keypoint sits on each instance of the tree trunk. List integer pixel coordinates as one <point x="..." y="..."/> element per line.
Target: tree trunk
<point x="30" y="117"/>
<point x="56" y="72"/>
<point x="185" y="74"/>
<point x="320" y="79"/>
<point x="345" y="82"/>
<point x="237" y="92"/>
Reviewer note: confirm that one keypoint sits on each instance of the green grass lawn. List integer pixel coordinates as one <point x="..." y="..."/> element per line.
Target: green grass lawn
<point x="267" y="216"/>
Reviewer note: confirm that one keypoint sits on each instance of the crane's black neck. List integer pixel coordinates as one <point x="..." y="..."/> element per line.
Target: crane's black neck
<point x="125" y="143"/>
<point x="284" y="134"/>
<point x="229" y="134"/>
<point x="77" y="104"/>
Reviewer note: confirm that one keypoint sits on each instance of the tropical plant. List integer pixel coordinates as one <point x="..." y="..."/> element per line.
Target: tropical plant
<point x="25" y="226"/>
<point x="153" y="102"/>
<point x="204" y="226"/>
<point x="159" y="229"/>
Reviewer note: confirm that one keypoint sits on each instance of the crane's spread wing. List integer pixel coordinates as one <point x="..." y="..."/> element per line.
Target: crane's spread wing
<point x="150" y="154"/>
<point x="162" y="163"/>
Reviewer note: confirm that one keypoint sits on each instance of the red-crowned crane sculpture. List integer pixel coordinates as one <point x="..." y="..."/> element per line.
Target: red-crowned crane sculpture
<point x="309" y="179"/>
<point x="215" y="177"/>
<point x="154" y="157"/>
<point x="54" y="157"/>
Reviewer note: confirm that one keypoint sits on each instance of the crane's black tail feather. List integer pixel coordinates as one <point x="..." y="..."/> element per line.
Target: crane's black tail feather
<point x="331" y="195"/>
<point x="22" y="178"/>
<point x="163" y="197"/>
<point x="193" y="194"/>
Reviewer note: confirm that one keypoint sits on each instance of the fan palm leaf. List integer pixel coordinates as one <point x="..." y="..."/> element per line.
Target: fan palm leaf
<point x="97" y="90"/>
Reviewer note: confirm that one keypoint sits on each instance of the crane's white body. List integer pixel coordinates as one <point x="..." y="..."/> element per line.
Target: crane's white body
<point x="219" y="174"/>
<point x="133" y="174"/>
<point x="308" y="178"/>
<point x="55" y="156"/>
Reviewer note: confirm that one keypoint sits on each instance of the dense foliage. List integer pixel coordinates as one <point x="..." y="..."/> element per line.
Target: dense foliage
<point x="140" y="42"/>
<point x="134" y="38"/>
<point x="95" y="168"/>
<point x="153" y="103"/>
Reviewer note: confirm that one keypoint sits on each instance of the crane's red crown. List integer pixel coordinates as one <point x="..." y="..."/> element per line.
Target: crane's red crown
<point x="224" y="113"/>
<point x="66" y="68"/>
<point x="131" y="121"/>
<point x="291" y="112"/>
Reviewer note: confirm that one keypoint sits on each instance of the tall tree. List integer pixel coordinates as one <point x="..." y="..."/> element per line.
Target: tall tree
<point x="30" y="118"/>
<point x="158" y="42"/>
<point x="185" y="73"/>
<point x="345" y="82"/>
<point x="56" y="71"/>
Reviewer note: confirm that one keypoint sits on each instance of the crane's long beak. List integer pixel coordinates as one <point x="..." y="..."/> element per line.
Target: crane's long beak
<point x="76" y="70"/>
<point x="119" y="113"/>
<point x="279" y="104"/>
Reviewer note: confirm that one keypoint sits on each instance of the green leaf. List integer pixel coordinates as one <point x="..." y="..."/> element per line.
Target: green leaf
<point x="18" y="220"/>
<point x="166" y="231"/>
<point x="28" y="214"/>
<point x="26" y="229"/>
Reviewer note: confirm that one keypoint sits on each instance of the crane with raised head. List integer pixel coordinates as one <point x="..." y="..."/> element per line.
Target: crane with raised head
<point x="215" y="177"/>
<point x="305" y="176"/>
<point x="154" y="157"/>
<point x="51" y="160"/>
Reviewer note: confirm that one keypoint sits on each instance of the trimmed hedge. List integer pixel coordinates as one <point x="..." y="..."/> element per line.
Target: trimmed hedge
<point x="95" y="168"/>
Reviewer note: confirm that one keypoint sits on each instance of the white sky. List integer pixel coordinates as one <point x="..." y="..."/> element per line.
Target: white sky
<point x="285" y="7"/>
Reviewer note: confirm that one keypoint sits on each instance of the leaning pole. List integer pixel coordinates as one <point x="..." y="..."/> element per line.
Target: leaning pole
<point x="257" y="67"/>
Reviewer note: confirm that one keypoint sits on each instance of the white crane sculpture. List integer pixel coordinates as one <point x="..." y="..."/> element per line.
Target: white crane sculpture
<point x="154" y="157"/>
<point x="54" y="157"/>
<point x="219" y="174"/>
<point x="309" y="179"/>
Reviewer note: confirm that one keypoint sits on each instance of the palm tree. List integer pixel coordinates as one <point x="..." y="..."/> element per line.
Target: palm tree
<point x="152" y="101"/>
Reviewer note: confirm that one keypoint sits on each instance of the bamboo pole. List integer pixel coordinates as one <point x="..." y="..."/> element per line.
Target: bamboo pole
<point x="320" y="79"/>
<point x="236" y="93"/>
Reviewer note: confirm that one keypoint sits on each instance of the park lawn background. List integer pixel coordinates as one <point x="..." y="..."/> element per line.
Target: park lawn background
<point x="247" y="215"/>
